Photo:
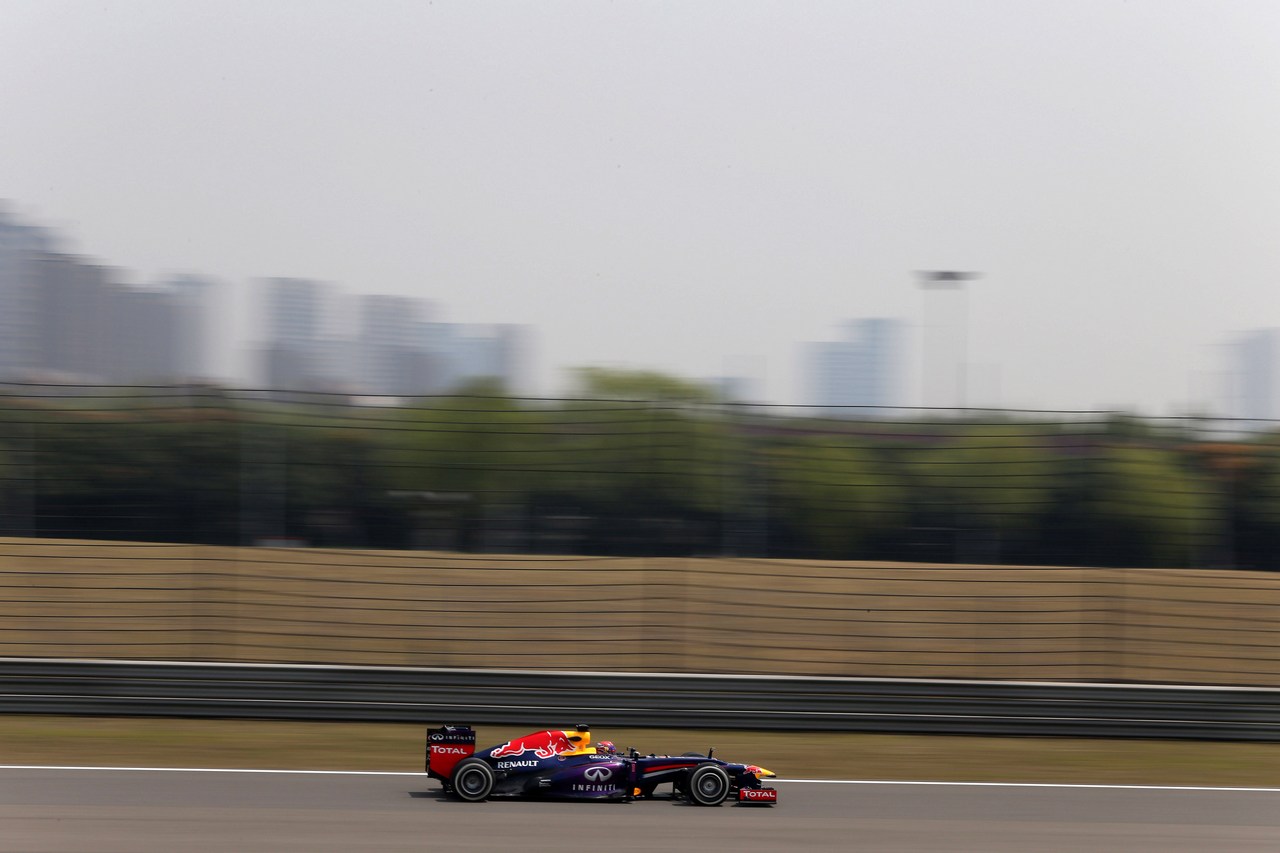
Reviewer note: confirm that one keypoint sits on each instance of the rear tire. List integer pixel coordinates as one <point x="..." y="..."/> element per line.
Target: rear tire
<point x="708" y="785"/>
<point x="472" y="780"/>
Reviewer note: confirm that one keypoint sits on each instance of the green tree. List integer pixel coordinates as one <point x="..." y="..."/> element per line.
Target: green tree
<point x="640" y="385"/>
<point x="836" y="495"/>
<point x="988" y="484"/>
<point x="1144" y="507"/>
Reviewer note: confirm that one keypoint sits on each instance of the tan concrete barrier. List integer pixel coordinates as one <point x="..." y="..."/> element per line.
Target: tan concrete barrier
<point x="61" y="598"/>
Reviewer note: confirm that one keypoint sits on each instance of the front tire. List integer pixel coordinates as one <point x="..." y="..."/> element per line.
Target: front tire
<point x="473" y="780"/>
<point x="708" y="785"/>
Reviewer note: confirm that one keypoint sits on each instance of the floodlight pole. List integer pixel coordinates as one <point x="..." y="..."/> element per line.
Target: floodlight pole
<point x="954" y="280"/>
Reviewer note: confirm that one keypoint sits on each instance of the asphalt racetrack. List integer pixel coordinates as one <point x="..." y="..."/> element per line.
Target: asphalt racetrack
<point x="147" y="811"/>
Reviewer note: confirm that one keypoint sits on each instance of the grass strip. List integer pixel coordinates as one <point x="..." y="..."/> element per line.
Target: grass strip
<point x="812" y="755"/>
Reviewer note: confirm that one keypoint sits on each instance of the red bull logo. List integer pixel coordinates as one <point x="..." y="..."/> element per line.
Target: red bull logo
<point x="542" y="744"/>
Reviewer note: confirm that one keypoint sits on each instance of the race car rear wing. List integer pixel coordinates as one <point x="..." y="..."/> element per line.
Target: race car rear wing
<point x="446" y="746"/>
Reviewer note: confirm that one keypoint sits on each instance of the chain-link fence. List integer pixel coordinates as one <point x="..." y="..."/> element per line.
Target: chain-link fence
<point x="208" y="524"/>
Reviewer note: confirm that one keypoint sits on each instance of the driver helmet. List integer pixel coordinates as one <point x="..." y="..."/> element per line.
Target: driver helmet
<point x="606" y="747"/>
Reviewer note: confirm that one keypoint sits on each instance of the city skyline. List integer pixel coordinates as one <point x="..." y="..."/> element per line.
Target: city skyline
<point x="320" y="338"/>
<point x="382" y="344"/>
<point x="69" y="318"/>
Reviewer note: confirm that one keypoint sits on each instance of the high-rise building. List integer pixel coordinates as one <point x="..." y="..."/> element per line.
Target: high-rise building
<point x="862" y="370"/>
<point x="19" y="245"/>
<point x="294" y="352"/>
<point x="65" y="318"/>
<point x="146" y="342"/>
<point x="84" y="325"/>
<point x="71" y="317"/>
<point x="192" y="296"/>
<point x="390" y="320"/>
<point x="1255" y="375"/>
<point x="463" y="354"/>
<point x="390" y="351"/>
<point x="493" y="352"/>
<point x="394" y="356"/>
<point x="295" y="310"/>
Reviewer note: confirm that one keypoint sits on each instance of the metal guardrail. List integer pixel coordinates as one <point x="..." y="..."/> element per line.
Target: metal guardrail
<point x="554" y="698"/>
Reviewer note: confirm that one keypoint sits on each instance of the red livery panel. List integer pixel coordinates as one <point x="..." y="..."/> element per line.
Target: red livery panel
<point x="446" y="746"/>
<point x="757" y="795"/>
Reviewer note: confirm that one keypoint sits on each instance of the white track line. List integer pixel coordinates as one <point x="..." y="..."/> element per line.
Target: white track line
<point x="771" y="781"/>
<point x="1033" y="785"/>
<point x="209" y="770"/>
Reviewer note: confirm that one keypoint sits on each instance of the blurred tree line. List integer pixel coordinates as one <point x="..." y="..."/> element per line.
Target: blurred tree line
<point x="637" y="463"/>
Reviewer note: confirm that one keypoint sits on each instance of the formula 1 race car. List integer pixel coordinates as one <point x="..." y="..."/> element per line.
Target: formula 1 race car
<point x="564" y="765"/>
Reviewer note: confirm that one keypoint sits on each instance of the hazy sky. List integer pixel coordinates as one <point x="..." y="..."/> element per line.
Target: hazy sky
<point x="690" y="186"/>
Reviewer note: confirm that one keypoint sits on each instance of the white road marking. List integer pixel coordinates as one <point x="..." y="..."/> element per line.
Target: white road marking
<point x="55" y="767"/>
<point x="209" y="770"/>
<point x="1102" y="786"/>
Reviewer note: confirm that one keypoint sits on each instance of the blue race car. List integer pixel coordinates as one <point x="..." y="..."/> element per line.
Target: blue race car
<point x="563" y="764"/>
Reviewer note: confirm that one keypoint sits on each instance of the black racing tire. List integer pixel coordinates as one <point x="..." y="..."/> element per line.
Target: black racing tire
<point x="708" y="785"/>
<point x="472" y="780"/>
